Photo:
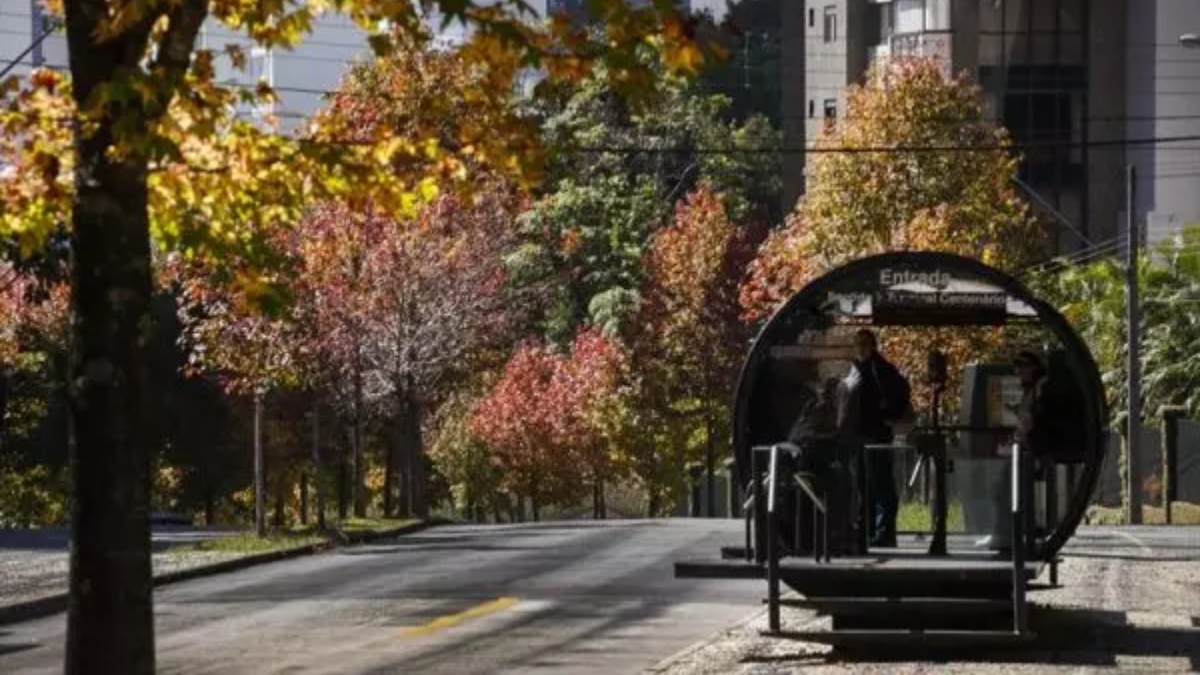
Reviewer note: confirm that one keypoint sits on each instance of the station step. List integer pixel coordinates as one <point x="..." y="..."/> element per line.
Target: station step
<point x="896" y="606"/>
<point x="736" y="553"/>
<point x="906" y="638"/>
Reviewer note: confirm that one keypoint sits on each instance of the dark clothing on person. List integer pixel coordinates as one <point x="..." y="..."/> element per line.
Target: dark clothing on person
<point x="829" y="454"/>
<point x="883" y="397"/>
<point x="818" y="416"/>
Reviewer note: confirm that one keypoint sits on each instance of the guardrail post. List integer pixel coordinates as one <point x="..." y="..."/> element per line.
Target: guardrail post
<point x="1171" y="415"/>
<point x="732" y="489"/>
<point x="1018" y="539"/>
<point x="772" y="546"/>
<point x="756" y="487"/>
<point x="696" y="473"/>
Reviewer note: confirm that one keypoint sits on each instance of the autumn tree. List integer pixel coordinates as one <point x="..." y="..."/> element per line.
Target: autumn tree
<point x="396" y="312"/>
<point x="614" y="175"/>
<point x="462" y="457"/>
<point x="585" y="395"/>
<point x="249" y="349"/>
<point x="690" y="337"/>
<point x="517" y="420"/>
<point x="33" y="329"/>
<point x="145" y="138"/>
<point x="912" y="165"/>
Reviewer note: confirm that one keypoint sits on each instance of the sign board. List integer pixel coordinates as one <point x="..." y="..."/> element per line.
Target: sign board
<point x="925" y="297"/>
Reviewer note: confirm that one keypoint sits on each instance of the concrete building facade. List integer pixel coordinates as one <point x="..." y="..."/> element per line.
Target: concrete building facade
<point x="1163" y="91"/>
<point x="1078" y="83"/>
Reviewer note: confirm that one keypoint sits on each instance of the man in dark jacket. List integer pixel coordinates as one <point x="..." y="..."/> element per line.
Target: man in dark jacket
<point x="884" y="399"/>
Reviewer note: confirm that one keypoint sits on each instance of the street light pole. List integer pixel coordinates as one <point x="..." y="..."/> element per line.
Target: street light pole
<point x="1133" y="437"/>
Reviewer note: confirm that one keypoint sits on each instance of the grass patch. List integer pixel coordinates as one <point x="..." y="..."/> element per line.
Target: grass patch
<point x="248" y="543"/>
<point x="1182" y="513"/>
<point x="361" y="525"/>
<point x="915" y="517"/>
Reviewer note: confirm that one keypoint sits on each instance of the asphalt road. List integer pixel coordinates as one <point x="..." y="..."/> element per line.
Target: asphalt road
<point x="554" y="597"/>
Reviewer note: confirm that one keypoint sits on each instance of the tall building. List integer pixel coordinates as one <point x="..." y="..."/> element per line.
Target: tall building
<point x="1072" y="80"/>
<point x="1164" y="102"/>
<point x="28" y="38"/>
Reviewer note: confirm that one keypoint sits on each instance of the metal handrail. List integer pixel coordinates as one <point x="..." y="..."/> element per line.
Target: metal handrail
<point x="748" y="508"/>
<point x="1020" y="614"/>
<point x="772" y="545"/>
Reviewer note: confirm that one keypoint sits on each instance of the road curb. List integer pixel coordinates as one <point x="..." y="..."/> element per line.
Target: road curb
<point x="56" y="604"/>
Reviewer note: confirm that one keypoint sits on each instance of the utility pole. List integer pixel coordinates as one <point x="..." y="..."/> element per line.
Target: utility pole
<point x="1133" y="433"/>
<point x="39" y="27"/>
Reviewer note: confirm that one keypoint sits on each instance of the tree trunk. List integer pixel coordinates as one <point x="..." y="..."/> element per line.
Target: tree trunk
<point x="304" y="498"/>
<point x="4" y="388"/>
<point x="415" y="480"/>
<point x="533" y="505"/>
<point x="358" y="487"/>
<point x="260" y="477"/>
<point x="520" y="511"/>
<point x="343" y="492"/>
<point x="389" y="478"/>
<point x="210" y="509"/>
<point x="110" y="614"/>
<point x="318" y="473"/>
<point x="280" y="501"/>
<point x="709" y="467"/>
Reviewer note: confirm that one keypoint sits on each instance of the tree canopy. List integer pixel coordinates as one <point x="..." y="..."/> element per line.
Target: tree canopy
<point x="140" y="148"/>
<point x="912" y="165"/>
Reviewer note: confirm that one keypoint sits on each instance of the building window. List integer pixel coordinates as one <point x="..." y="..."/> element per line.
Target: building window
<point x="812" y="18"/>
<point x="831" y="108"/>
<point x="812" y="108"/>
<point x="915" y="16"/>
<point x="830" y="23"/>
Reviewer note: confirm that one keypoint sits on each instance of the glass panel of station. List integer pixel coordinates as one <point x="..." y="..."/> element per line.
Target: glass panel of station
<point x="980" y="329"/>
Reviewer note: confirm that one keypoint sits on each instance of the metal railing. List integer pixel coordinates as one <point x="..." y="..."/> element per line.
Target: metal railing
<point x="772" y="544"/>
<point x="1020" y="608"/>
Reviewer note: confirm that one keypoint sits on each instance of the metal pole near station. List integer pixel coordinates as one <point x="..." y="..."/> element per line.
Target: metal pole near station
<point x="1133" y="473"/>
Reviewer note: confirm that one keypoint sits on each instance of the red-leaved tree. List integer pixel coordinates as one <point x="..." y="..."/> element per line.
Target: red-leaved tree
<point x="439" y="312"/>
<point x="690" y="340"/>
<point x="586" y="398"/>
<point x="519" y="424"/>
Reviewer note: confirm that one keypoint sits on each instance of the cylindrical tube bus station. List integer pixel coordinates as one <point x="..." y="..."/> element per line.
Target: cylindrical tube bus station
<point x="916" y="436"/>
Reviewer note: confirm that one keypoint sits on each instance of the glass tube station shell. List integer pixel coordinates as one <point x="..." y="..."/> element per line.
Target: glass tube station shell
<point x="806" y="342"/>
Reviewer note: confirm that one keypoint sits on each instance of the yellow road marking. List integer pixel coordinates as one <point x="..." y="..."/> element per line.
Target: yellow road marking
<point x="451" y="620"/>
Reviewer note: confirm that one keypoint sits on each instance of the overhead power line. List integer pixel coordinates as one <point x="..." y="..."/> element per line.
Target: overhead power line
<point x="885" y="150"/>
<point x="28" y="50"/>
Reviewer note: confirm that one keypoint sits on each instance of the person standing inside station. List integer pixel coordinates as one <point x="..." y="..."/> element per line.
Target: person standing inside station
<point x="884" y="399"/>
<point x="1030" y="432"/>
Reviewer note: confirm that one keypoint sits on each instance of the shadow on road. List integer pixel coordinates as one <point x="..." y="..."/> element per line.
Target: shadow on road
<point x="1072" y="637"/>
<point x="466" y="545"/>
<point x="7" y="648"/>
<point x="35" y="540"/>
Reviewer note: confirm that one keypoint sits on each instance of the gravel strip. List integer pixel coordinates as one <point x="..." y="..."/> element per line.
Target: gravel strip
<point x="1119" y="608"/>
<point x="32" y="575"/>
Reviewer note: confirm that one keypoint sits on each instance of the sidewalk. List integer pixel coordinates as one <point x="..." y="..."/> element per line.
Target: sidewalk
<point x="34" y="564"/>
<point x="1129" y="602"/>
